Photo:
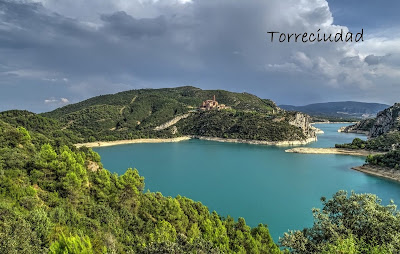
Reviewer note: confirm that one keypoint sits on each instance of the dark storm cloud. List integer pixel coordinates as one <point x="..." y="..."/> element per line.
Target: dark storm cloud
<point x="373" y="60"/>
<point x="31" y="37"/>
<point x="120" y="44"/>
<point x="357" y="14"/>
<point x="125" y="25"/>
<point x="352" y="61"/>
<point x="30" y="25"/>
<point x="210" y="44"/>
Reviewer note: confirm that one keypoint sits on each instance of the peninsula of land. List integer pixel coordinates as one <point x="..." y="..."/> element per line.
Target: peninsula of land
<point x="388" y="173"/>
<point x="184" y="138"/>
<point x="341" y="151"/>
<point x="132" y="141"/>
<point x="168" y="115"/>
<point x="259" y="142"/>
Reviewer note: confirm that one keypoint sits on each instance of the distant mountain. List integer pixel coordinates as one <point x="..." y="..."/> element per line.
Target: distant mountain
<point x="343" y="109"/>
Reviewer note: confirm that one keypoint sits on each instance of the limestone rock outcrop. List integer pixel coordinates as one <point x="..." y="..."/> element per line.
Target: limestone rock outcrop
<point x="171" y="122"/>
<point x="303" y="121"/>
<point x="361" y="127"/>
<point x="386" y="120"/>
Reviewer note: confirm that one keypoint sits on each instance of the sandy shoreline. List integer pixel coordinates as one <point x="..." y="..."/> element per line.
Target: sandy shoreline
<point x="258" y="142"/>
<point x="341" y="151"/>
<point x="387" y="173"/>
<point x="133" y="141"/>
<point x="333" y="122"/>
<point x="179" y="139"/>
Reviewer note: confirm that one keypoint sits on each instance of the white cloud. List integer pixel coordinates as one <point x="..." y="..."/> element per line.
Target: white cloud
<point x="47" y="101"/>
<point x="64" y="100"/>
<point x="379" y="46"/>
<point x="61" y="101"/>
<point x="28" y="73"/>
<point x="302" y="59"/>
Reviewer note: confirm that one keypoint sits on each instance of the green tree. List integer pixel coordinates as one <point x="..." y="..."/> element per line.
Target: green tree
<point x="358" y="216"/>
<point x="47" y="156"/>
<point x="72" y="245"/>
<point x="41" y="224"/>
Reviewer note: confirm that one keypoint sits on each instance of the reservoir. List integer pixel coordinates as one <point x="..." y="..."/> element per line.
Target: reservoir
<point x="262" y="184"/>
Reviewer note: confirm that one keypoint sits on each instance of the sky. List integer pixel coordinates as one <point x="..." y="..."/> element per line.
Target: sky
<point x="54" y="52"/>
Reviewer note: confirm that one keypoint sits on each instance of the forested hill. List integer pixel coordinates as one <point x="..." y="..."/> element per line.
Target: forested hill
<point x="183" y="98"/>
<point x="342" y="109"/>
<point x="137" y="114"/>
<point x="55" y="198"/>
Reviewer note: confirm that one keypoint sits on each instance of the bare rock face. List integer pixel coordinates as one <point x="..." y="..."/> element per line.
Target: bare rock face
<point x="93" y="166"/>
<point x="171" y="122"/>
<point x="304" y="122"/>
<point x="174" y="130"/>
<point x="362" y="127"/>
<point x="386" y="120"/>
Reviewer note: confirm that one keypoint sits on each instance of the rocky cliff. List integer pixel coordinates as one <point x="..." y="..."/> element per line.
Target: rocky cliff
<point x="386" y="120"/>
<point x="362" y="127"/>
<point x="171" y="122"/>
<point x="303" y="122"/>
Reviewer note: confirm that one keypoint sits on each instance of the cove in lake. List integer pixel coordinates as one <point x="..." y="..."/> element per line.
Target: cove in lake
<point x="263" y="184"/>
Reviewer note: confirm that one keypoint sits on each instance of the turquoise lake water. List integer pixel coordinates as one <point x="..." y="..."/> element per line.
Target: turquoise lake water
<point x="263" y="184"/>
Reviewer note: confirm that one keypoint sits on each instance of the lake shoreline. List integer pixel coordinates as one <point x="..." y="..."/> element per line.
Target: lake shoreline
<point x="133" y="141"/>
<point x="258" y="142"/>
<point x="383" y="172"/>
<point x="334" y="122"/>
<point x="339" y="151"/>
<point x="185" y="138"/>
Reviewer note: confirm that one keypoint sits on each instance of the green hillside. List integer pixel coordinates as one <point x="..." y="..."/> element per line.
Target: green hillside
<point x="184" y="96"/>
<point x="135" y="114"/>
<point x="59" y="199"/>
<point x="46" y="130"/>
<point x="242" y="125"/>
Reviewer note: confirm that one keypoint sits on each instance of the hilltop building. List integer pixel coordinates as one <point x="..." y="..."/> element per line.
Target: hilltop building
<point x="212" y="104"/>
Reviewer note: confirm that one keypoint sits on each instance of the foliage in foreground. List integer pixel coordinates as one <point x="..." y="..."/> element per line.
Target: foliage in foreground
<point x="58" y="199"/>
<point x="358" y="223"/>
